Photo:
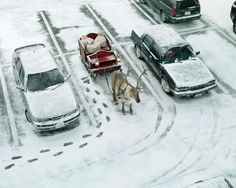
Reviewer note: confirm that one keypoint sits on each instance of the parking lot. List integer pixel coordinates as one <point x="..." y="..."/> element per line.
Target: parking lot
<point x="167" y="139"/>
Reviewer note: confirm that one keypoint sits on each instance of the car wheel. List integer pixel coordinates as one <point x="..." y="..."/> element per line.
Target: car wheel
<point x="165" y="85"/>
<point x="138" y="52"/>
<point x="163" y="16"/>
<point x="234" y="27"/>
<point x="27" y="116"/>
<point x="192" y="95"/>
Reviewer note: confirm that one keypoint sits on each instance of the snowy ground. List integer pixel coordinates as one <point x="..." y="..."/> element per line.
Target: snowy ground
<point x="168" y="142"/>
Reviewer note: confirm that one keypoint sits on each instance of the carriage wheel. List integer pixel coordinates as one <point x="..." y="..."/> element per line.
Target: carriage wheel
<point x="138" y="52"/>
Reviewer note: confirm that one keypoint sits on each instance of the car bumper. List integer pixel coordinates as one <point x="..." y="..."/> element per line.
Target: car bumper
<point x="184" y="18"/>
<point x="192" y="92"/>
<point x="57" y="124"/>
<point x="111" y="68"/>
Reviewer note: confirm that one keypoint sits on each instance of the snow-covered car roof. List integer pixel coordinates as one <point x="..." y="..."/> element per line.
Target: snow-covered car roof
<point x="37" y="60"/>
<point x="166" y="37"/>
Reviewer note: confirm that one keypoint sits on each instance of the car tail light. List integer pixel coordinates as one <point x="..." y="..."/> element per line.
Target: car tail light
<point x="174" y="10"/>
<point x="97" y="63"/>
<point x="197" y="4"/>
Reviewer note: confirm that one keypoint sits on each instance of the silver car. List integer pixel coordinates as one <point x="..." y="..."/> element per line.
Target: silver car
<point x="48" y="98"/>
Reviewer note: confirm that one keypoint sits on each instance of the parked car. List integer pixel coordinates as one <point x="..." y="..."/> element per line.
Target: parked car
<point x="233" y="16"/>
<point x="217" y="182"/>
<point x="97" y="55"/>
<point x="174" y="11"/>
<point x="173" y="60"/>
<point x="48" y="98"/>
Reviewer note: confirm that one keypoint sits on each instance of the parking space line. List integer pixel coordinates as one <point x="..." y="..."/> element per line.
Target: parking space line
<point x="79" y="91"/>
<point x="77" y="51"/>
<point x="54" y="40"/>
<point x="139" y="8"/>
<point x="13" y="129"/>
<point x="69" y="53"/>
<point x="6" y="65"/>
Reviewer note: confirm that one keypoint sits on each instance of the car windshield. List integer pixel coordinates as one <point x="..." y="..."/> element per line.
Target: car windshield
<point x="43" y="80"/>
<point x="177" y="54"/>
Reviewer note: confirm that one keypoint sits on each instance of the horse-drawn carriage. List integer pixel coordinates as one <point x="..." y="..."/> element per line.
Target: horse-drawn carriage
<point x="97" y="55"/>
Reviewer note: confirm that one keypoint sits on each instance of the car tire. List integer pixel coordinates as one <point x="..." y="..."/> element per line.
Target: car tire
<point x="234" y="26"/>
<point x="27" y="116"/>
<point x="138" y="52"/>
<point x="163" y="17"/>
<point x="165" y="85"/>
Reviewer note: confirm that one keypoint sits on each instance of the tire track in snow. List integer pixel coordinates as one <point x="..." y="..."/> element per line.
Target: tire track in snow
<point x="177" y="172"/>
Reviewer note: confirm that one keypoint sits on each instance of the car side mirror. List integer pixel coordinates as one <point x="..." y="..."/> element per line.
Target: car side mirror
<point x="198" y="52"/>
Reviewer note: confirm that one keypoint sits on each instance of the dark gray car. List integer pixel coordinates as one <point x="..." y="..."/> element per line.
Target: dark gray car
<point x="173" y="60"/>
<point x="174" y="11"/>
<point x="233" y="16"/>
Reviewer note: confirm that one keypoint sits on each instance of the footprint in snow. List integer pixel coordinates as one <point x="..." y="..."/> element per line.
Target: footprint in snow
<point x="83" y="145"/>
<point x="99" y="125"/>
<point x="68" y="143"/>
<point x="100" y="134"/>
<point x="86" y="135"/>
<point x="44" y="150"/>
<point x="97" y="92"/>
<point x="108" y="118"/>
<point x="94" y="101"/>
<point x="87" y="89"/>
<point x="32" y="160"/>
<point x="105" y="105"/>
<point x="9" y="166"/>
<point x="86" y="81"/>
<point x="16" y="157"/>
<point x="58" y="153"/>
<point x="99" y="111"/>
<point x="84" y="78"/>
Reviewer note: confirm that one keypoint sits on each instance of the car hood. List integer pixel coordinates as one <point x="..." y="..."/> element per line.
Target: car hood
<point x="188" y="73"/>
<point x="52" y="102"/>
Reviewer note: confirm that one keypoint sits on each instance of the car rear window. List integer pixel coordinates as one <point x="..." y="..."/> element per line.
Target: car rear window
<point x="186" y="3"/>
<point x="42" y="81"/>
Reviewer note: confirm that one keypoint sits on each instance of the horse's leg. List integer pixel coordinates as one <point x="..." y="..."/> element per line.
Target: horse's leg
<point x="130" y="109"/>
<point x="114" y="96"/>
<point x="123" y="107"/>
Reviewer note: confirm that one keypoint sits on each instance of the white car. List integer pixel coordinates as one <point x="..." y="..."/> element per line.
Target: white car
<point x="48" y="98"/>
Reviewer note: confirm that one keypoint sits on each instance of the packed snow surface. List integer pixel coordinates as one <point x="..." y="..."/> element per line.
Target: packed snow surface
<point x="168" y="142"/>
